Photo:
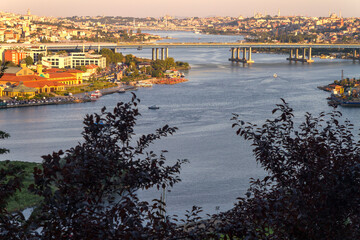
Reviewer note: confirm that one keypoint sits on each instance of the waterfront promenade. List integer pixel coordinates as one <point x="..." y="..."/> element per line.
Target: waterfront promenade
<point x="76" y="98"/>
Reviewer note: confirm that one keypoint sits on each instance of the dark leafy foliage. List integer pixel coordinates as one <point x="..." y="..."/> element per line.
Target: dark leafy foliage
<point x="11" y="177"/>
<point x="312" y="190"/>
<point x="90" y="191"/>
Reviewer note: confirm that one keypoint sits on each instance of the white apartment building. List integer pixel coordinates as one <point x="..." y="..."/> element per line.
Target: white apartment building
<point x="57" y="61"/>
<point x="34" y="52"/>
<point x="74" y="60"/>
<point x="83" y="59"/>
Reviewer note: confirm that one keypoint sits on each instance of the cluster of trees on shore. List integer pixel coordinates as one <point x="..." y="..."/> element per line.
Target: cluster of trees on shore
<point x="282" y="37"/>
<point x="155" y="69"/>
<point x="121" y="36"/>
<point x="311" y="191"/>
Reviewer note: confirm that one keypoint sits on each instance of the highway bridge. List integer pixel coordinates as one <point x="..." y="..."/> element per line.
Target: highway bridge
<point x="236" y="48"/>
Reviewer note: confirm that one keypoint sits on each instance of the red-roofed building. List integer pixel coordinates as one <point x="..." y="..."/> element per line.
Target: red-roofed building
<point x="43" y="82"/>
<point x="45" y="86"/>
<point x="91" y="69"/>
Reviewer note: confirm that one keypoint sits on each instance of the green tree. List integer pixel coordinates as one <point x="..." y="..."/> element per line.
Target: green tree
<point x="29" y="61"/>
<point x="132" y="66"/>
<point x="110" y="56"/>
<point x="158" y="65"/>
<point x="40" y="57"/>
<point x="157" y="73"/>
<point x="61" y="52"/>
<point x="81" y="68"/>
<point x="129" y="59"/>
<point x="169" y="63"/>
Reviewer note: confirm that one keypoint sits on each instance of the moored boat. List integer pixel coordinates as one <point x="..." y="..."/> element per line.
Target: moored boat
<point x="144" y="85"/>
<point x="154" y="107"/>
<point x="96" y="94"/>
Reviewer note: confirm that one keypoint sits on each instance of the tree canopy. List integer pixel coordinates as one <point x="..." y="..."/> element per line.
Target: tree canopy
<point x="110" y="56"/>
<point x="29" y="61"/>
<point x="312" y="190"/>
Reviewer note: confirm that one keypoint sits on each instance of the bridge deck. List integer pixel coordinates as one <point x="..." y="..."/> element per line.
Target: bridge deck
<point x="64" y="46"/>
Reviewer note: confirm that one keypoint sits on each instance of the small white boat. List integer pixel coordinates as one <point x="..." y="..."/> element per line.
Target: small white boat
<point x="144" y="85"/>
<point x="96" y="94"/>
<point x="154" y="107"/>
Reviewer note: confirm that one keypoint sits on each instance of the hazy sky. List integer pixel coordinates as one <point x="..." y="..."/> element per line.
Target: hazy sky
<point x="201" y="8"/>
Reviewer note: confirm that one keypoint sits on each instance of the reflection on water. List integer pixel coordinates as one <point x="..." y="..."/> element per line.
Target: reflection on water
<point x="220" y="162"/>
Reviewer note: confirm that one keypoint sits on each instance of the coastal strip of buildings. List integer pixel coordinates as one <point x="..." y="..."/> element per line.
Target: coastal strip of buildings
<point x="65" y="60"/>
<point x="24" y="82"/>
<point x="52" y="72"/>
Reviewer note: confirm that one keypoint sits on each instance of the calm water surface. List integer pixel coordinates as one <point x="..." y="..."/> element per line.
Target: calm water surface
<point x="221" y="163"/>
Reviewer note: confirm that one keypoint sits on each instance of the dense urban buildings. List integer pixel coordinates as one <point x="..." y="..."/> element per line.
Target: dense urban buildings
<point x="28" y="28"/>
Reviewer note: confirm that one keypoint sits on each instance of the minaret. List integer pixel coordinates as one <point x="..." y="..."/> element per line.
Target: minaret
<point x="340" y="14"/>
<point x="279" y="12"/>
<point x="28" y="12"/>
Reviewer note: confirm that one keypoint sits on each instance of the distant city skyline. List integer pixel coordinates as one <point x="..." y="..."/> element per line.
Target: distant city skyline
<point x="184" y="8"/>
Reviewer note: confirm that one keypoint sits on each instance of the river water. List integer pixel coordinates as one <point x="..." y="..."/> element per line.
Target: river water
<point x="221" y="163"/>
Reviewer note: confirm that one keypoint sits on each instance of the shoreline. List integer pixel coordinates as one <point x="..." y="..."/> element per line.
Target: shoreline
<point x="77" y="98"/>
<point x="84" y="97"/>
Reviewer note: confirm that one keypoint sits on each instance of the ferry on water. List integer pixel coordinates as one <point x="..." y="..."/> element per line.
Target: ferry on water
<point x="95" y="95"/>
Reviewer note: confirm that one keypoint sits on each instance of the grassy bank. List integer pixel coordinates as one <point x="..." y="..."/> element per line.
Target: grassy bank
<point x="23" y="199"/>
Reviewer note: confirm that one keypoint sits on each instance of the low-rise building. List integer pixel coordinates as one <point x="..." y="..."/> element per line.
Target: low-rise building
<point x="74" y="60"/>
<point x="83" y="59"/>
<point x="19" y="91"/>
<point x="57" y="61"/>
<point x="20" y="80"/>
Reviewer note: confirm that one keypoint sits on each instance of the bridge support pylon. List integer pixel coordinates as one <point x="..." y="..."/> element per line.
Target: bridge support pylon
<point x="162" y="54"/>
<point x="246" y="55"/>
<point x="310" y="60"/>
<point x="249" y="56"/>
<point x="153" y="55"/>
<point x="232" y="58"/>
<point x="156" y="54"/>
<point x="303" y="59"/>
<point x="355" y="55"/>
